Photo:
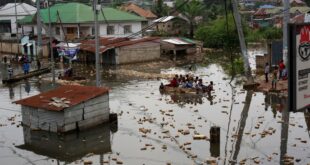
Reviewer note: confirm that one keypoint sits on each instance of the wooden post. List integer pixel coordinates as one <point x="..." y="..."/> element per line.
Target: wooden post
<point x="215" y="141"/>
<point x="174" y="55"/>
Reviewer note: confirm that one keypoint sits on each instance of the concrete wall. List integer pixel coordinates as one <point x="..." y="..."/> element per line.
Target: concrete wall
<point x="119" y="29"/>
<point x="86" y="29"/>
<point x="141" y="52"/>
<point x="85" y="115"/>
<point x="16" y="48"/>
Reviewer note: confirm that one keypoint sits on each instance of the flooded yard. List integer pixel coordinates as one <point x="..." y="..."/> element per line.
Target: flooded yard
<point x="162" y="128"/>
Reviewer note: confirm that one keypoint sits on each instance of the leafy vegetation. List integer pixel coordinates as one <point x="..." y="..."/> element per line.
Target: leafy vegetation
<point x="220" y="34"/>
<point x="263" y="34"/>
<point x="191" y="10"/>
<point x="160" y="9"/>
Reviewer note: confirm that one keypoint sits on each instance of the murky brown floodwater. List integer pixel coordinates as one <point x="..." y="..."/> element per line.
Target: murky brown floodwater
<point x="254" y="128"/>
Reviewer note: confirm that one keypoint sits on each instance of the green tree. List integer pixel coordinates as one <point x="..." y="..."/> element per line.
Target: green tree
<point x="215" y="34"/>
<point x="190" y="10"/>
<point x="307" y="2"/>
<point x="160" y="9"/>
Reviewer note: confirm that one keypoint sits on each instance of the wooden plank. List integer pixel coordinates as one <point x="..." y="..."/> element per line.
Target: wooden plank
<point x="73" y="112"/>
<point x="93" y="122"/>
<point x="24" y="76"/>
<point x="103" y="98"/>
<point x="68" y="127"/>
<point x="99" y="112"/>
<point x="73" y="119"/>
<point x="96" y="107"/>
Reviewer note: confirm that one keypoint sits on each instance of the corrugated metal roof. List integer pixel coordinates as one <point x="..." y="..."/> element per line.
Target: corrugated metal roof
<point x="73" y="93"/>
<point x="177" y="41"/>
<point x="108" y="43"/>
<point x="164" y="19"/>
<point x="21" y="8"/>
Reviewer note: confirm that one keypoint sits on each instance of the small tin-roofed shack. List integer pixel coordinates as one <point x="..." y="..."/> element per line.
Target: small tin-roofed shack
<point x="117" y="51"/>
<point x="177" y="47"/>
<point x="74" y="145"/>
<point x="66" y="108"/>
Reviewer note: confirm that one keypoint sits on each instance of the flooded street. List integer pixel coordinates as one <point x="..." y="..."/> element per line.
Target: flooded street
<point x="158" y="128"/>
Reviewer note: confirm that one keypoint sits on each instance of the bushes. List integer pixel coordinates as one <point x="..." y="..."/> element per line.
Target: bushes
<point x="216" y="34"/>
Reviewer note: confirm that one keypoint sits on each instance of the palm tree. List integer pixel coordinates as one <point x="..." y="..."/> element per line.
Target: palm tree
<point x="190" y="10"/>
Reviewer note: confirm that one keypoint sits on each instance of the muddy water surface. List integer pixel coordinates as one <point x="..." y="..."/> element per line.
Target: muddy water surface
<point x="254" y="127"/>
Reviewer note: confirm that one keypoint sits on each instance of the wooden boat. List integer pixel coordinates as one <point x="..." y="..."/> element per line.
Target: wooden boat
<point x="25" y="76"/>
<point x="181" y="90"/>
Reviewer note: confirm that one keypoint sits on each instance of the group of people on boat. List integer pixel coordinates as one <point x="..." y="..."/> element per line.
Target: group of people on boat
<point x="188" y="81"/>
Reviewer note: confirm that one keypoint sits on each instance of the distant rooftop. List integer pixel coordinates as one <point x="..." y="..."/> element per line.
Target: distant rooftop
<point x="22" y="9"/>
<point x="131" y="7"/>
<point x="80" y="13"/>
<point x="73" y="93"/>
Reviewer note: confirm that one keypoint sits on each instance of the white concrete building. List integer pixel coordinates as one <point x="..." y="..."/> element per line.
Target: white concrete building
<point x="8" y="15"/>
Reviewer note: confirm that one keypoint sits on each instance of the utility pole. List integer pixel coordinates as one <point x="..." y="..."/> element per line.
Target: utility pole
<point x="50" y="40"/>
<point x="16" y="28"/>
<point x="244" y="51"/>
<point x="286" y="19"/>
<point x="39" y="30"/>
<point x="96" y="9"/>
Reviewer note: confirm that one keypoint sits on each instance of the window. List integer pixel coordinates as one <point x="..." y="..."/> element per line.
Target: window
<point x="70" y="30"/>
<point x="127" y="29"/>
<point x="110" y="30"/>
<point x="57" y="30"/>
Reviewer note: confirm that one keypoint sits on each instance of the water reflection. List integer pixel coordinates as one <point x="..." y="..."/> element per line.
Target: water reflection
<point x="284" y="134"/>
<point x="27" y="86"/>
<point x="275" y="102"/>
<point x="70" y="146"/>
<point x="183" y="99"/>
<point x="11" y="91"/>
<point x="241" y="125"/>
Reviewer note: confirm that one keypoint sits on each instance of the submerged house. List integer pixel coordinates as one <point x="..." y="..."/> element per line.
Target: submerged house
<point x="121" y="50"/>
<point x="72" y="21"/>
<point x="66" y="108"/>
<point x="178" y="46"/>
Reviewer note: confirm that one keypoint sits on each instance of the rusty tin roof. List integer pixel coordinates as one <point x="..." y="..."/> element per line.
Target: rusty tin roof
<point x="73" y="93"/>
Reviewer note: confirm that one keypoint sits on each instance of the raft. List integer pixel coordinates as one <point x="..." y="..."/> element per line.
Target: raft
<point x="181" y="90"/>
<point x="19" y="77"/>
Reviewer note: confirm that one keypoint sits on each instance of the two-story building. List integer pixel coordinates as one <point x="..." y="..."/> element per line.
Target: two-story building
<point x="72" y="21"/>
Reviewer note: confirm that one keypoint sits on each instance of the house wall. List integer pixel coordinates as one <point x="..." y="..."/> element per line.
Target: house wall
<point x="173" y="27"/>
<point x="16" y="48"/>
<point x="119" y="29"/>
<point x="141" y="52"/>
<point x="86" y="29"/>
<point x="88" y="114"/>
<point x="39" y="119"/>
<point x="13" y="22"/>
<point x="28" y="29"/>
